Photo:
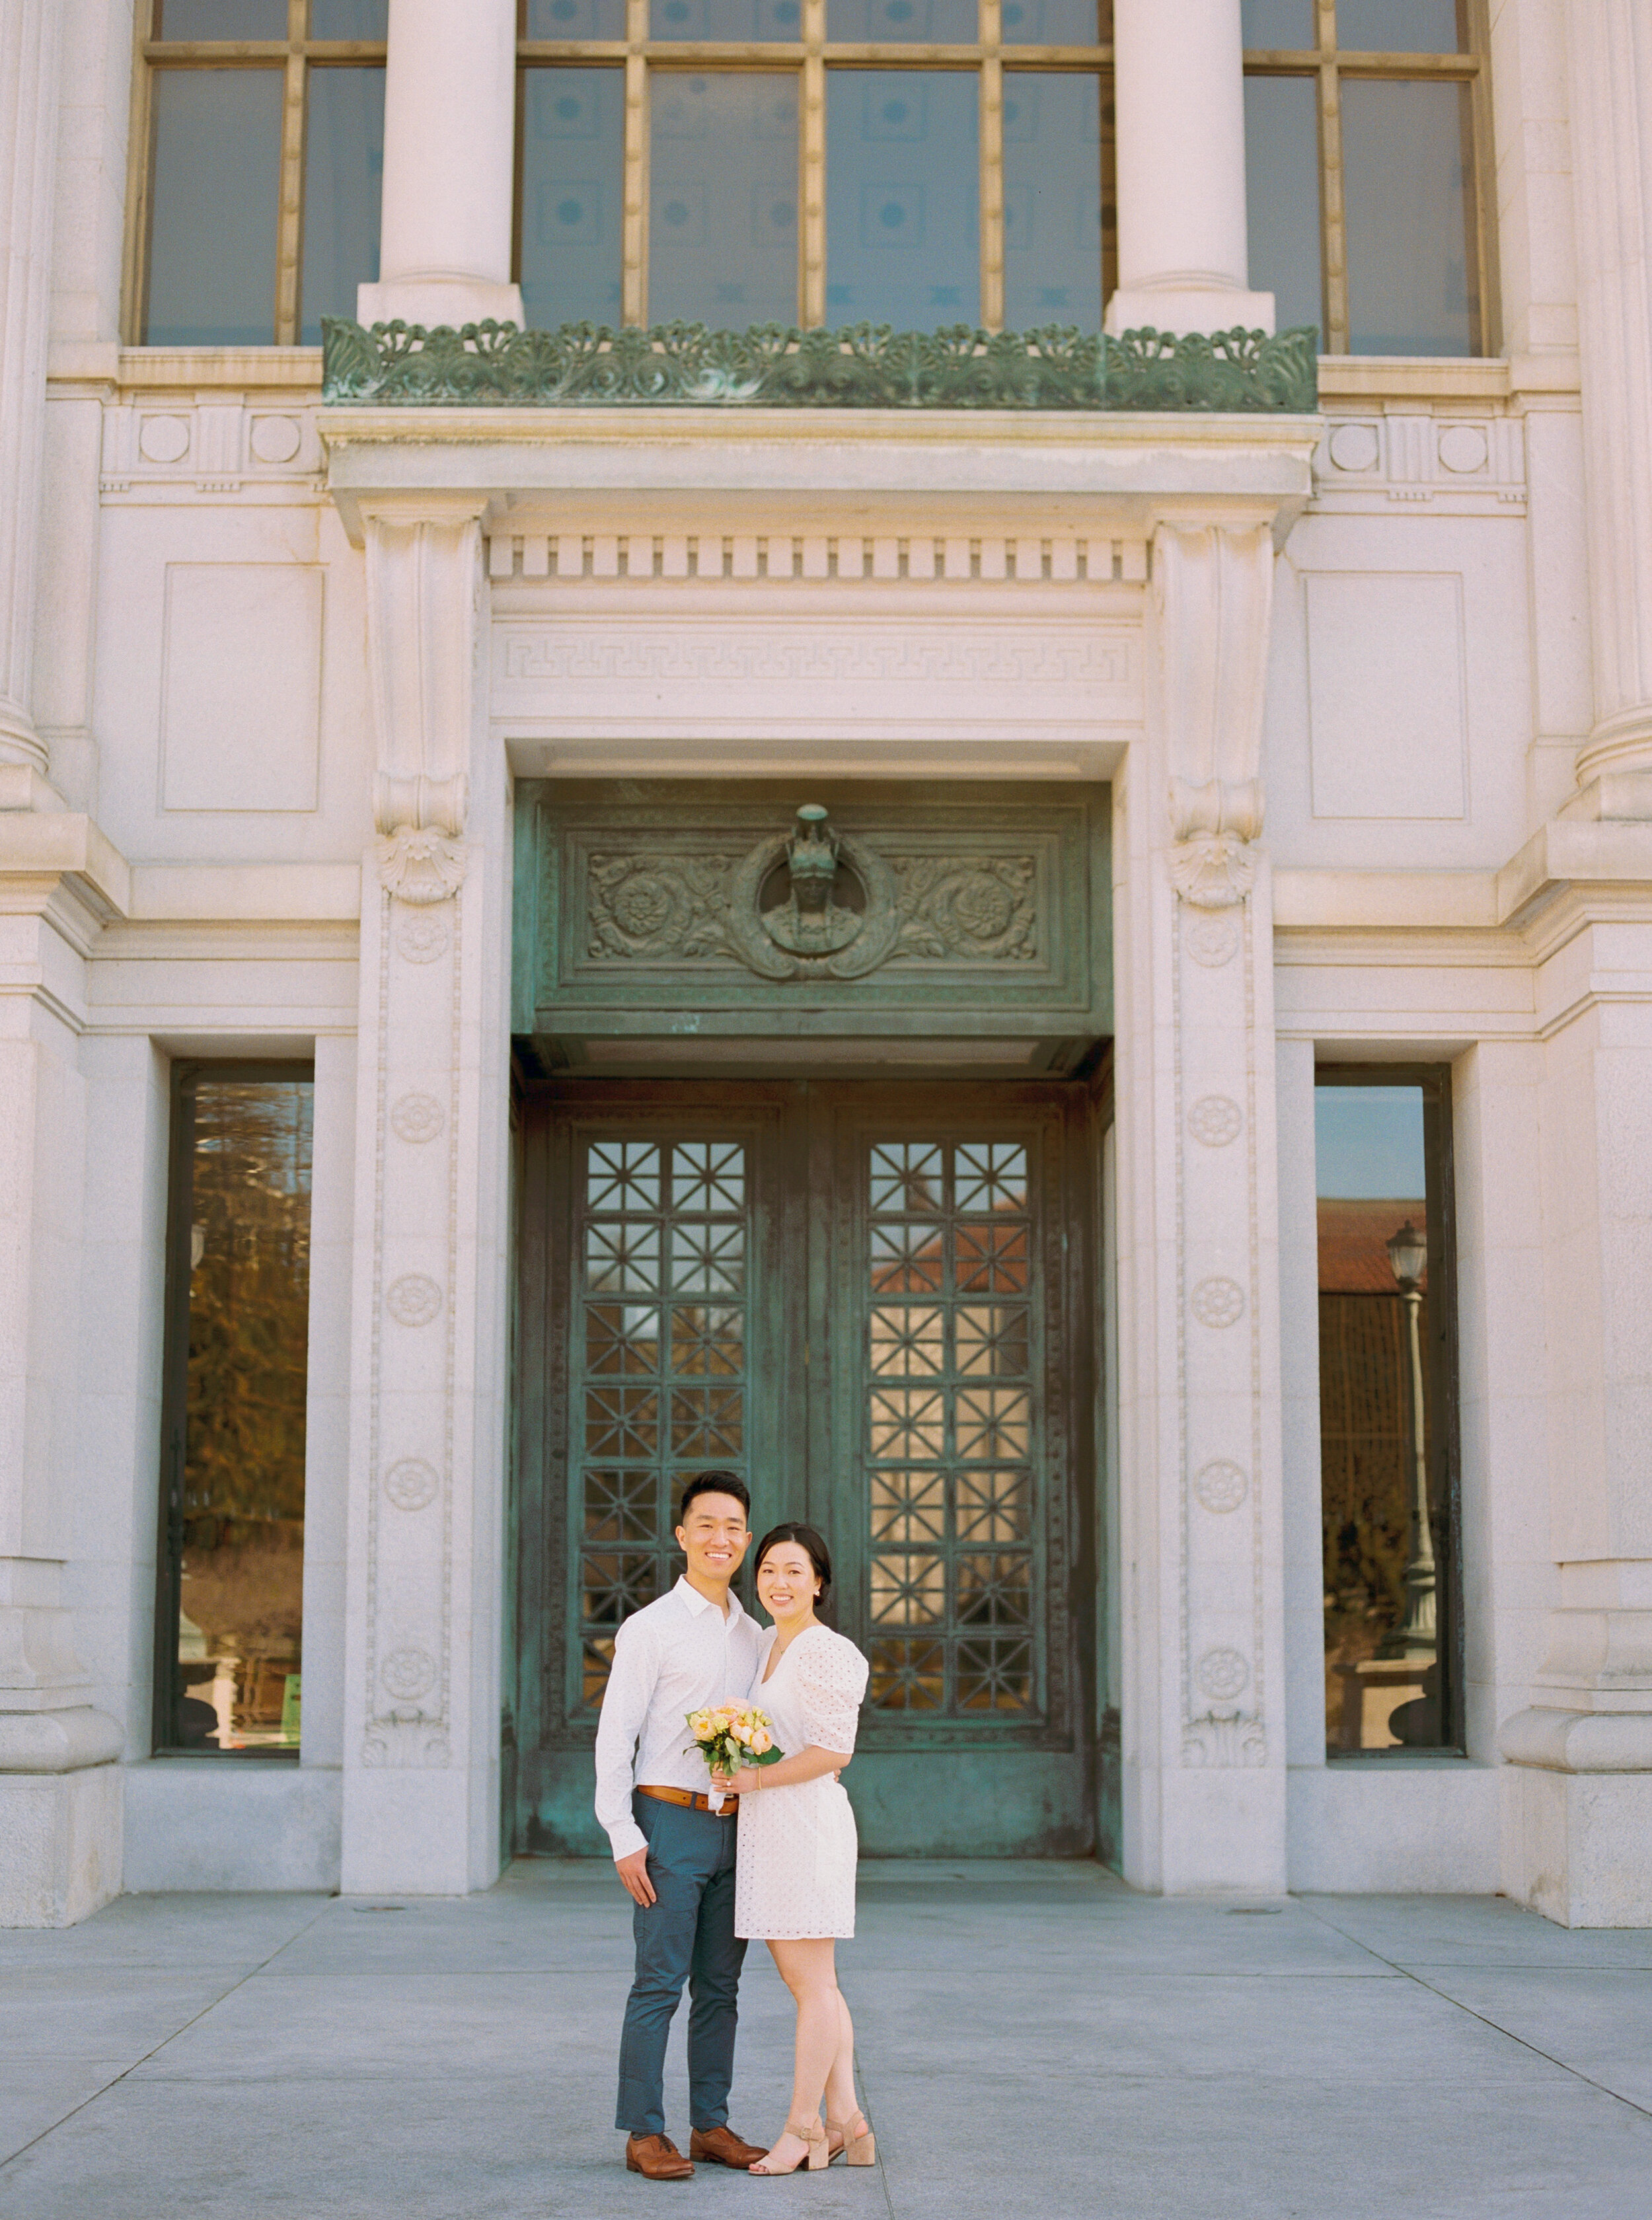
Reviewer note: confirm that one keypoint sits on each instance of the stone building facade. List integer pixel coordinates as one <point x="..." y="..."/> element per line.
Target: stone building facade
<point x="431" y="740"/>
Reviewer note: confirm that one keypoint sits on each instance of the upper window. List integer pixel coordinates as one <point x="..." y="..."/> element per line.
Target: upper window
<point x="1365" y="132"/>
<point x="909" y="162"/>
<point x="257" y="207"/>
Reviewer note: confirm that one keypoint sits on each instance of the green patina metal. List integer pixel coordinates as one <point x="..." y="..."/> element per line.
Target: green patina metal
<point x="778" y="366"/>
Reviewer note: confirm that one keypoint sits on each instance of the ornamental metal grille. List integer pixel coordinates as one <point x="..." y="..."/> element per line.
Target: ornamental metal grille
<point x="951" y="1419"/>
<point x="660" y="1364"/>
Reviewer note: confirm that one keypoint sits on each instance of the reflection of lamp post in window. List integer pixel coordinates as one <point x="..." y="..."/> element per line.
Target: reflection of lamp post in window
<point x="1415" y="1637"/>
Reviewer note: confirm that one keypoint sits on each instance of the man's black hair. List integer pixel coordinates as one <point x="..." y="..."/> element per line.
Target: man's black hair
<point x="716" y="1483"/>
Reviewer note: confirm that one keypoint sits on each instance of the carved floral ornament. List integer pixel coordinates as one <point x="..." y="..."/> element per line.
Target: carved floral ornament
<point x="841" y="910"/>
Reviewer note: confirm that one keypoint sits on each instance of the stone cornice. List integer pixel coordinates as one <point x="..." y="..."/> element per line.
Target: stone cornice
<point x="39" y="852"/>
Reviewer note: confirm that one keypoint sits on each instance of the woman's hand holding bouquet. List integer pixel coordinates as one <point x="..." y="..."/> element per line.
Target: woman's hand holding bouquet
<point x="733" y="1737"/>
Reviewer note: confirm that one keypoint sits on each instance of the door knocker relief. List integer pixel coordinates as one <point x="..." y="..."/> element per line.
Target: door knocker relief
<point x="813" y="902"/>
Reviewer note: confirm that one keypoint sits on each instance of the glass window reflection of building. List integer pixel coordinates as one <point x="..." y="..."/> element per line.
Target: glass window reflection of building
<point x="1386" y="1359"/>
<point x="233" y="1556"/>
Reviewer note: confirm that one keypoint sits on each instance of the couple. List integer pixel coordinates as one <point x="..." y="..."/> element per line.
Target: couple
<point x="712" y="1861"/>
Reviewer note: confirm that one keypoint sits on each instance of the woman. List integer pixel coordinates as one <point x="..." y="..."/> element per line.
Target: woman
<point x="794" y="1879"/>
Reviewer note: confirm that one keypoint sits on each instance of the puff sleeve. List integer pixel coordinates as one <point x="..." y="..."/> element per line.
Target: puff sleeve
<point x="830" y="1680"/>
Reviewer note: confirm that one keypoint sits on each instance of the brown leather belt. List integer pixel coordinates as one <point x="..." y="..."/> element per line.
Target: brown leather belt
<point x="690" y="1802"/>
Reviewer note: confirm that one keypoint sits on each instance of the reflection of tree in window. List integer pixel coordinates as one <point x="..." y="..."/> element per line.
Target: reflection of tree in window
<point x="240" y="1511"/>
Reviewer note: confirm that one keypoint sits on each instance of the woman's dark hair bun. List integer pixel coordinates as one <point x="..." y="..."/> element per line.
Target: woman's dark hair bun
<point x="813" y="1544"/>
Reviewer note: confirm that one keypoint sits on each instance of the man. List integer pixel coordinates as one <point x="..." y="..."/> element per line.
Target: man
<point x="675" y="1855"/>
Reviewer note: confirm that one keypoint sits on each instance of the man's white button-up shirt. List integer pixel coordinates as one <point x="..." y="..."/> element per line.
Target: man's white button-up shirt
<point x="669" y="1660"/>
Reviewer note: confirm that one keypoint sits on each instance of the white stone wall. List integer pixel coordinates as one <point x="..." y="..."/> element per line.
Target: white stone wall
<point x="1448" y="858"/>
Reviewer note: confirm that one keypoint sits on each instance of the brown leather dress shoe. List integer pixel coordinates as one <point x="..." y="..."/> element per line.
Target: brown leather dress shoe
<point x="657" y="2157"/>
<point x="723" y="2148"/>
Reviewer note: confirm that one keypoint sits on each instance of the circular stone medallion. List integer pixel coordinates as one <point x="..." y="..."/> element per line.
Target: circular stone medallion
<point x="1215" y="1120"/>
<point x="1219" y="1301"/>
<point x="407" y="1675"/>
<point x="163" y="438"/>
<point x="411" y="1483"/>
<point x="276" y="439"/>
<point x="1212" y="940"/>
<point x="422" y="936"/>
<point x="417" y="1118"/>
<point x="414" y="1299"/>
<point x="1222" y="1673"/>
<point x="1221" y="1485"/>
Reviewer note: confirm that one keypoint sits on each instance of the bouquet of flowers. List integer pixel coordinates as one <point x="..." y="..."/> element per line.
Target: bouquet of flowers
<point x="729" y="1735"/>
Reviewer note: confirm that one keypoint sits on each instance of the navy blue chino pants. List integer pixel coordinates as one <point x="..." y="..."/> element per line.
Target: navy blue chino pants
<point x="686" y="1935"/>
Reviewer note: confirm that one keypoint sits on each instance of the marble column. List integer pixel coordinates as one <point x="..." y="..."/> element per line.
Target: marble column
<point x="30" y="37"/>
<point x="1610" y="53"/>
<point x="424" y="1556"/>
<point x="1179" y="100"/>
<point x="1203" y="1730"/>
<point x="450" y="123"/>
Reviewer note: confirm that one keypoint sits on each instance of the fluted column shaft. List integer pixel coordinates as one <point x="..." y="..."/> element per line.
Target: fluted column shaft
<point x="450" y="115"/>
<point x="1179" y="94"/>
<point x="1611" y="57"/>
<point x="30" y="32"/>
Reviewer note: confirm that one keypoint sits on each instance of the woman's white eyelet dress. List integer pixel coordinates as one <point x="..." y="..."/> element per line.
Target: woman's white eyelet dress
<point x="794" y="1879"/>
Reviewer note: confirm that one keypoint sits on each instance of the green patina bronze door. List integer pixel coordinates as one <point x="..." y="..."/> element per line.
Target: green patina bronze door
<point x="874" y="1302"/>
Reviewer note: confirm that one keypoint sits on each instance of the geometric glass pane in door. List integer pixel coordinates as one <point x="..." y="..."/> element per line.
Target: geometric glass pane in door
<point x="659" y="1378"/>
<point x="952" y="1428"/>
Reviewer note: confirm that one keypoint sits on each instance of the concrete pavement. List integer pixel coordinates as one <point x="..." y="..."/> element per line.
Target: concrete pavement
<point x="1035" y="2040"/>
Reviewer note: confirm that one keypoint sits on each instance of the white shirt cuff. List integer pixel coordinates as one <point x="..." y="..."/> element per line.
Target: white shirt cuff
<point x="626" y="1839"/>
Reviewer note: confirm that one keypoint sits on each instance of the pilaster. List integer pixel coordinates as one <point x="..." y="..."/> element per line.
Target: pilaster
<point x="424" y="1556"/>
<point x="1610" y="53"/>
<point x="60" y="1790"/>
<point x="30" y="36"/>
<point x="1578" y="1789"/>
<point x="1179" y="96"/>
<point x="1203" y="1733"/>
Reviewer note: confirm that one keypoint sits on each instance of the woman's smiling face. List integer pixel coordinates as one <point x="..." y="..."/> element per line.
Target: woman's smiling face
<point x="787" y="1581"/>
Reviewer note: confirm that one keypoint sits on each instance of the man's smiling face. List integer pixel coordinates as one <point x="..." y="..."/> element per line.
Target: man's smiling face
<point x="714" y="1536"/>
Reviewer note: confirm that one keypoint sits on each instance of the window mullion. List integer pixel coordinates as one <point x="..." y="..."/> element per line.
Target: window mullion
<point x="811" y="157"/>
<point x="291" y="219"/>
<point x="992" y="168"/>
<point x="634" y="284"/>
<point x="1334" y="225"/>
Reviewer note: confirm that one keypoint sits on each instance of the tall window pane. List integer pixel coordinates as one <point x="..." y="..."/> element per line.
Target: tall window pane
<point x="1405" y="159"/>
<point x="1281" y="180"/>
<point x="233" y="1564"/>
<point x="890" y="22"/>
<point x="1385" y="1371"/>
<point x="1052" y="23"/>
<point x="215" y="185"/>
<point x="221" y="19"/>
<point x="1402" y="27"/>
<point x="344" y="177"/>
<point x="572" y="153"/>
<point x="1282" y="25"/>
<point x="722" y="234"/>
<point x="1052" y="200"/>
<point x="725" y="19"/>
<point x="902" y="197"/>
<point x="349" y="19"/>
<point x="577" y="19"/>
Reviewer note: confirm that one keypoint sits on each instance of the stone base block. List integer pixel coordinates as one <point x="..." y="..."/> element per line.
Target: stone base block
<point x="1189" y="308"/>
<point x="1404" y="1828"/>
<point x="221" y="1824"/>
<point x="59" y="1845"/>
<point x="436" y="301"/>
<point x="1578" y="1846"/>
